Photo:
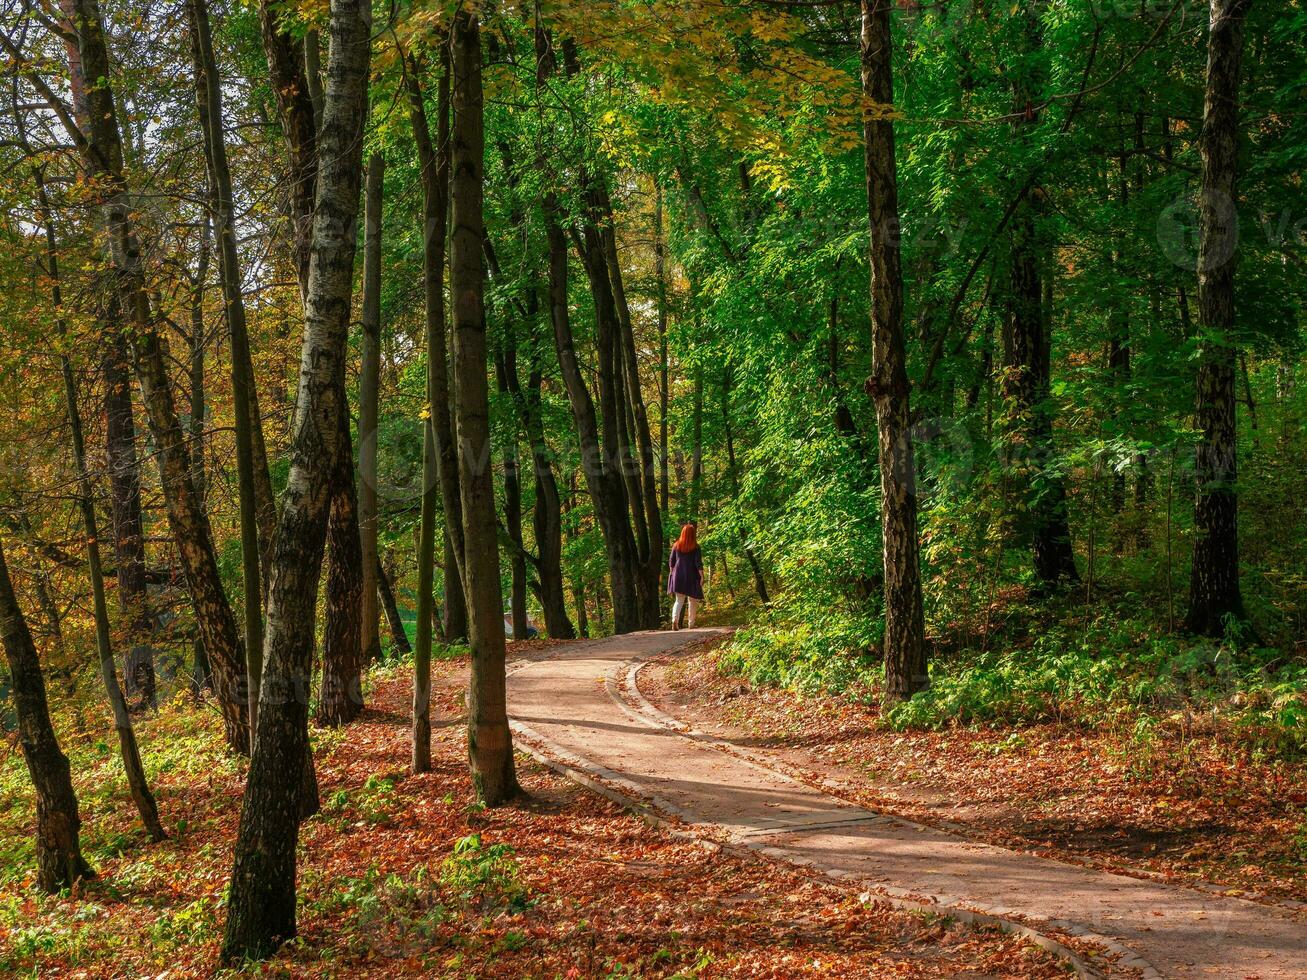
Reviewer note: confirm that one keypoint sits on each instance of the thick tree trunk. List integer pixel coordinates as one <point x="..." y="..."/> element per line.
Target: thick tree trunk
<point x="369" y="383"/>
<point x="102" y="157"/>
<point x="261" y="903"/>
<point x="340" y="699"/>
<point x="200" y="678"/>
<point x="59" y="862"/>
<point x="490" y="747"/>
<point x="905" y="646"/>
<point x="438" y="475"/>
<point x="290" y="85"/>
<point x="1214" y="595"/>
<point x="125" y="493"/>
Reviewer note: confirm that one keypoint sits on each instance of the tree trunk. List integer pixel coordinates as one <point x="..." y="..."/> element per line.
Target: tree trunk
<point x="251" y="471"/>
<point x="759" y="580"/>
<point x="438" y="474"/>
<point x="285" y="54"/>
<point x="341" y="697"/>
<point x="59" y="862"/>
<point x="1214" y="594"/>
<point x="125" y="493"/>
<point x="664" y="378"/>
<point x="1026" y="353"/>
<point x="102" y="158"/>
<point x="905" y="646"/>
<point x="398" y="635"/>
<point x="505" y="363"/>
<point x="490" y="747"/>
<point x="200" y="678"/>
<point x="131" y="756"/>
<point x="261" y="903"/>
<point x="369" y="382"/>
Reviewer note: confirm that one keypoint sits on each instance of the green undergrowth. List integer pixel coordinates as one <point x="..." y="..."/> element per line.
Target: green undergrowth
<point x="1113" y="672"/>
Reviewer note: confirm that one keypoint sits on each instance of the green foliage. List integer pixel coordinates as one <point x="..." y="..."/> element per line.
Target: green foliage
<point x="484" y="878"/>
<point x="1107" y="677"/>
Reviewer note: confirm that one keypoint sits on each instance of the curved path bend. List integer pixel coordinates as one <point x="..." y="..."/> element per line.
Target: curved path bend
<point x="577" y="710"/>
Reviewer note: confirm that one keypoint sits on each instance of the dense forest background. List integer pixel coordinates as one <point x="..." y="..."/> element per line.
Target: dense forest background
<point x="656" y="280"/>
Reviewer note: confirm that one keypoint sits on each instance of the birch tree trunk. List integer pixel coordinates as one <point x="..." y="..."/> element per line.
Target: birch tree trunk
<point x="261" y="902"/>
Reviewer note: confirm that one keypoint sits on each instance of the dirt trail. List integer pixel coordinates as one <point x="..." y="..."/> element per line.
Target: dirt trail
<point x="572" y="708"/>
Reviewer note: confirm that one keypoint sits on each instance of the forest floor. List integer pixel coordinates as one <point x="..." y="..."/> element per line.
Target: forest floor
<point x="401" y="876"/>
<point x="1184" y="810"/>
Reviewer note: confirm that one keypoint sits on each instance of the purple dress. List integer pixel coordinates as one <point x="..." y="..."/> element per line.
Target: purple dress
<point x="686" y="575"/>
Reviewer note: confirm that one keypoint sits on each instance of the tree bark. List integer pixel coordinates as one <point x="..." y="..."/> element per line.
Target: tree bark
<point x="253" y="479"/>
<point x="369" y="383"/>
<point x="1214" y="594"/>
<point x="102" y="157"/>
<point x="59" y="861"/>
<point x="433" y="162"/>
<point x="664" y="375"/>
<point x="340" y="698"/>
<point x="905" y="646"/>
<point x="261" y="903"/>
<point x="439" y="476"/>
<point x="398" y="635"/>
<point x="506" y="362"/>
<point x="490" y="747"/>
<point x="1026" y="377"/>
<point x="131" y="756"/>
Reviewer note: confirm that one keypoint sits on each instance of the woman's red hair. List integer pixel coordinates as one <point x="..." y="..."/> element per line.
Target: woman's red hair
<point x="687" y="542"/>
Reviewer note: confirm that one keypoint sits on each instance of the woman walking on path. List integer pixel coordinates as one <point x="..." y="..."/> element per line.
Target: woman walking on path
<point x="685" y="578"/>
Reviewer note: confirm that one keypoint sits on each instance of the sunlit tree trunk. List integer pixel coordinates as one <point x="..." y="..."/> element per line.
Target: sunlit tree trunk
<point x="59" y="861"/>
<point x="261" y="902"/>
<point x="439" y="474"/>
<point x="102" y="157"/>
<point x="369" y="383"/>
<point x="490" y="747"/>
<point x="905" y="647"/>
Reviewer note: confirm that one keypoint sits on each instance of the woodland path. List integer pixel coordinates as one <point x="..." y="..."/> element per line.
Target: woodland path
<point x="581" y="709"/>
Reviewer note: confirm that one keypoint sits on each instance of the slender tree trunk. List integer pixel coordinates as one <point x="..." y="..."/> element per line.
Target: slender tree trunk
<point x="490" y="747"/>
<point x="59" y="861"/>
<point x="759" y="580"/>
<point x="664" y="375"/>
<point x="261" y="903"/>
<point x="1026" y="352"/>
<point x="603" y="480"/>
<point x="905" y="647"/>
<point x="102" y="156"/>
<point x="696" y="445"/>
<point x="506" y="363"/>
<point x="1214" y="594"/>
<point x="200" y="679"/>
<point x="250" y="471"/>
<point x="438" y="474"/>
<point x="398" y="635"/>
<point x="433" y="162"/>
<point x="131" y="756"/>
<point x="369" y="383"/>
